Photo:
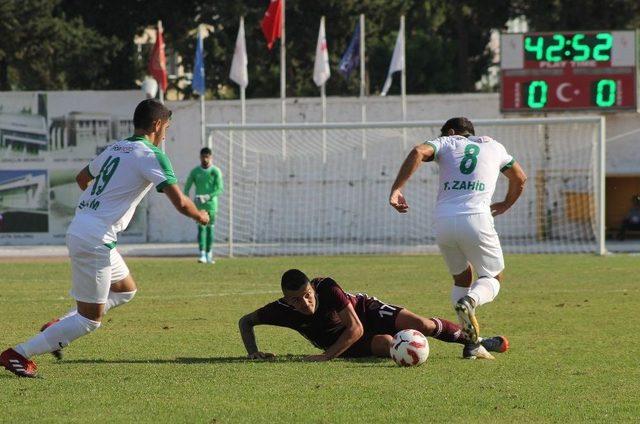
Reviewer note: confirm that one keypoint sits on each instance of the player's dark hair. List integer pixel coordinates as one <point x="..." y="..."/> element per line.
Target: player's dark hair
<point x="149" y="111"/>
<point x="205" y="151"/>
<point x="460" y="125"/>
<point x="293" y="280"/>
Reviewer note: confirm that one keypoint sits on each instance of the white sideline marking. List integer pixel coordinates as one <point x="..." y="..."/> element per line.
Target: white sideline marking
<point x="22" y="299"/>
<point x="167" y="296"/>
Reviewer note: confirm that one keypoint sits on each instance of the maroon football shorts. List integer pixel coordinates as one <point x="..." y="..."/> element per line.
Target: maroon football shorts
<point x="379" y="318"/>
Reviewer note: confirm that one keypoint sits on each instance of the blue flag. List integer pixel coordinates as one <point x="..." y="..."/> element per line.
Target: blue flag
<point x="351" y="57"/>
<point x="198" y="68"/>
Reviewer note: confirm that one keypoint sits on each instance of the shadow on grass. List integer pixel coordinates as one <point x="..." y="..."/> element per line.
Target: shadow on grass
<point x="219" y="360"/>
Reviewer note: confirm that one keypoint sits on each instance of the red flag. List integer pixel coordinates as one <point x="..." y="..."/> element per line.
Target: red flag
<point x="272" y="23"/>
<point x="158" y="61"/>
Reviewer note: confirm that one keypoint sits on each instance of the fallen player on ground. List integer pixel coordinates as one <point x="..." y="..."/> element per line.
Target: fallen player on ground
<point x="349" y="326"/>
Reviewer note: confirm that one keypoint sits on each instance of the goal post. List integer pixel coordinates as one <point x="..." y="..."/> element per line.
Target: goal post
<point x="329" y="193"/>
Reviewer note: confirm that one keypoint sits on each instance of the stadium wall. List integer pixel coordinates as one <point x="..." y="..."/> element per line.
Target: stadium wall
<point x="623" y="156"/>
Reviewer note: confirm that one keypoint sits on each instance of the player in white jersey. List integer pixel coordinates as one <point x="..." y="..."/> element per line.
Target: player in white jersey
<point x="122" y="175"/>
<point x="469" y="168"/>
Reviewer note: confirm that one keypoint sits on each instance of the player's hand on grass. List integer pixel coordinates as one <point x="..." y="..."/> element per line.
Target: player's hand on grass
<point x="498" y="208"/>
<point x="398" y="201"/>
<point x="203" y="218"/>
<point x="316" y="358"/>
<point x="261" y="355"/>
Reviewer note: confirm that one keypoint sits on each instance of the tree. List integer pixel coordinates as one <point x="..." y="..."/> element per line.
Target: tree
<point x="79" y="44"/>
<point x="43" y="50"/>
<point x="552" y="15"/>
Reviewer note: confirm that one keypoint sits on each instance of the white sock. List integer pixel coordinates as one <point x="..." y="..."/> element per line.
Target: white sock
<point x="57" y="336"/>
<point x="458" y="293"/>
<point x="484" y="290"/>
<point x="114" y="300"/>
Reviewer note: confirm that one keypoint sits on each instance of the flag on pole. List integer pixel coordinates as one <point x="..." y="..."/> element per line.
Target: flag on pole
<point x="321" y="70"/>
<point x="351" y="57"/>
<point x="397" y="62"/>
<point x="272" y="23"/>
<point x="239" y="73"/>
<point x="158" y="62"/>
<point x="198" y="67"/>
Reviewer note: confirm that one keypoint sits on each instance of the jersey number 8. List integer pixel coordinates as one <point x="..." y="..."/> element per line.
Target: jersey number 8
<point x="470" y="159"/>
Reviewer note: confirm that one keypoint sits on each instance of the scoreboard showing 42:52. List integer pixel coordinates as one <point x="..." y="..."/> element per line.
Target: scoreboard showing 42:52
<point x="561" y="71"/>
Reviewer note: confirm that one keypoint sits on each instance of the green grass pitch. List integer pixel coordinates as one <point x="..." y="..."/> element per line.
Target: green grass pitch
<point x="174" y="354"/>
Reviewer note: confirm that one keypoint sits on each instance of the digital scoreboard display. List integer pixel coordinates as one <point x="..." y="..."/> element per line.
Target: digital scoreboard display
<point x="588" y="70"/>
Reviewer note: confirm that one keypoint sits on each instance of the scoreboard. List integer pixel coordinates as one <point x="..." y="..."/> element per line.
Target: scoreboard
<point x="562" y="71"/>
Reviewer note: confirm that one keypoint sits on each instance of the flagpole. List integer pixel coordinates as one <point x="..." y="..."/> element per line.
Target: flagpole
<point x="160" y="85"/>
<point x="202" y="121"/>
<point x="198" y="77"/>
<point x="243" y="120"/>
<point x="163" y="148"/>
<point x="323" y="96"/>
<point x="283" y="81"/>
<point x="239" y="75"/>
<point x="403" y="84"/>
<point x="363" y="105"/>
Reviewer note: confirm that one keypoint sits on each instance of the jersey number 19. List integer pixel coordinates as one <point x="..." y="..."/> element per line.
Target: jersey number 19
<point x="106" y="172"/>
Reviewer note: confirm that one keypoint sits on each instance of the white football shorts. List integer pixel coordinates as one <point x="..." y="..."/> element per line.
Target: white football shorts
<point x="473" y="239"/>
<point x="93" y="269"/>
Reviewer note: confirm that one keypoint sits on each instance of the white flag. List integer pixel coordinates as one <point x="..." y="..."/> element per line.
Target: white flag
<point x="397" y="61"/>
<point x="239" y="73"/>
<point x="321" y="71"/>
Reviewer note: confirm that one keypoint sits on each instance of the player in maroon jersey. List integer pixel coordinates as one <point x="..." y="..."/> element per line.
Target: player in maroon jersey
<point x="347" y="325"/>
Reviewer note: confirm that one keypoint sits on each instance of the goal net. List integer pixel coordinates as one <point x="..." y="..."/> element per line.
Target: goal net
<point x="323" y="189"/>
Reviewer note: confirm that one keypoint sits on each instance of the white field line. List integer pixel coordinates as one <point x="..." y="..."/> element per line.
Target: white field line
<point x="21" y="299"/>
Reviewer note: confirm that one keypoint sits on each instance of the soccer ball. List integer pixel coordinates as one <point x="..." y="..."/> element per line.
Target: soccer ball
<point x="409" y="348"/>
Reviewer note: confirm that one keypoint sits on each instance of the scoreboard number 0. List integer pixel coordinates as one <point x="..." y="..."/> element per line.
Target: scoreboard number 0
<point x="537" y="94"/>
<point x="604" y="93"/>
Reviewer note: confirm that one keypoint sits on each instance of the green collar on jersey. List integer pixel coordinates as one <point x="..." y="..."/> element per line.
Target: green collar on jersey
<point x="138" y="138"/>
<point x="144" y="140"/>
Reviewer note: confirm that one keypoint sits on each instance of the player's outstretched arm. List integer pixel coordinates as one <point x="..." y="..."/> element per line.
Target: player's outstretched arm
<point x="246" y="325"/>
<point x="352" y="332"/>
<point x="517" y="179"/>
<point x="420" y="153"/>
<point x="84" y="178"/>
<point x="184" y="205"/>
